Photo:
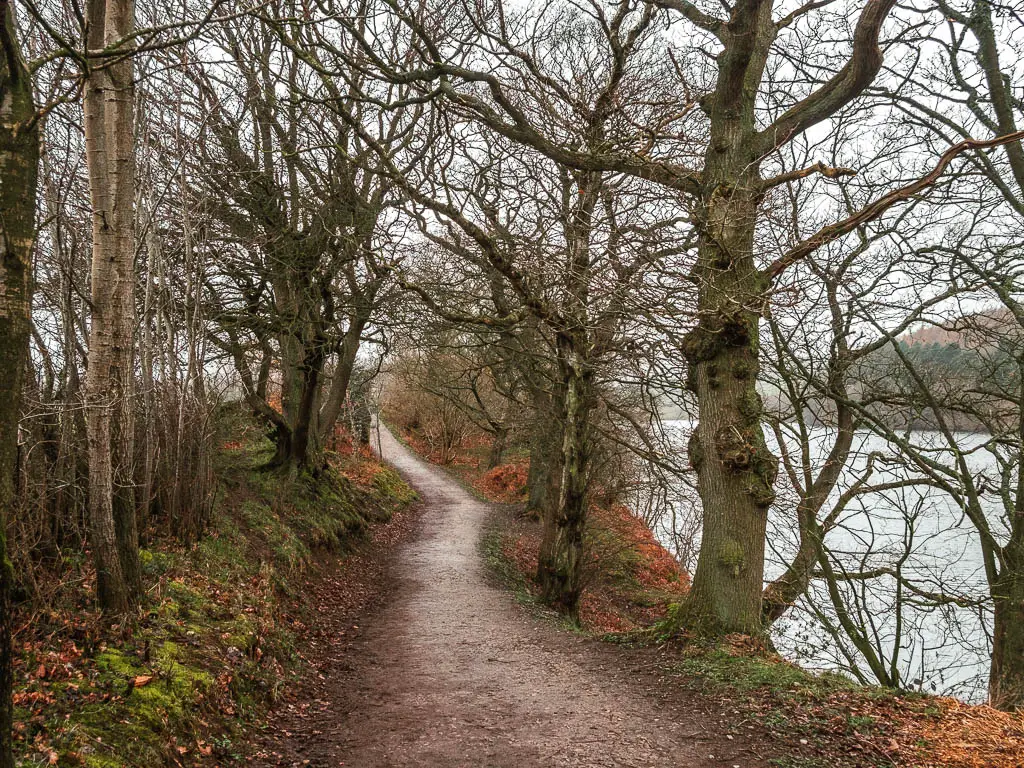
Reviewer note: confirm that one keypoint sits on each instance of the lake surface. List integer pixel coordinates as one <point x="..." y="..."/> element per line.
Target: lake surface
<point x="916" y="529"/>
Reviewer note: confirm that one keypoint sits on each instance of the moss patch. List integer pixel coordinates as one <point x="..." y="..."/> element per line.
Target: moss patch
<point x="209" y="649"/>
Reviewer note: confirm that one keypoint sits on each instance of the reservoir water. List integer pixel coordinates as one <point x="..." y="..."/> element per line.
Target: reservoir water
<point x="932" y="623"/>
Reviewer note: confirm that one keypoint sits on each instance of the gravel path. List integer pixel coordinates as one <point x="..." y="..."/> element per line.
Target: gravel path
<point x="446" y="670"/>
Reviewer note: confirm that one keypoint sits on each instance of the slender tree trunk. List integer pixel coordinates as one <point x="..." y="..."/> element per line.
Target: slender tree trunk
<point x="561" y="553"/>
<point x="109" y="127"/>
<point x="1006" y="673"/>
<point x="19" y="166"/>
<point x="785" y="590"/>
<point x="341" y="378"/>
<point x="153" y="255"/>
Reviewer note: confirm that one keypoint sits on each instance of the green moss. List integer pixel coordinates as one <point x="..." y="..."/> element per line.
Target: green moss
<point x="720" y="668"/>
<point x="493" y="547"/>
<point x="762" y="493"/>
<point x="134" y="726"/>
<point x="743" y="370"/>
<point x="732" y="556"/>
<point x="751" y="406"/>
<point x="102" y="761"/>
<point x="222" y="594"/>
<point x="700" y="344"/>
<point x="118" y="663"/>
<point x="155" y="563"/>
<point x="392" y="486"/>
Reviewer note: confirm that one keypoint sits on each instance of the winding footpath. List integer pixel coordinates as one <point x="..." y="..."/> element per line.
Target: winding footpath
<point x="447" y="670"/>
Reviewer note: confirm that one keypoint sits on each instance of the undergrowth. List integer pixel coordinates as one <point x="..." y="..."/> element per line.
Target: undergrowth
<point x="208" y="648"/>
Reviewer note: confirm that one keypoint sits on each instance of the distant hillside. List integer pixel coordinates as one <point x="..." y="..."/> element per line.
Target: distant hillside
<point x="972" y="331"/>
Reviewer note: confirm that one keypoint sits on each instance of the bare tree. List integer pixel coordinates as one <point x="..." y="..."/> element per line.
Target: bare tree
<point x="717" y="157"/>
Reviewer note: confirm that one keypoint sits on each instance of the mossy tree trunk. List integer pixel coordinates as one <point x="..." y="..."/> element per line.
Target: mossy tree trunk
<point x="302" y="340"/>
<point x="545" y="474"/>
<point x="735" y="470"/>
<point x="559" y="566"/>
<point x="560" y="561"/>
<point x="19" y="163"/>
<point x="109" y="103"/>
<point x="306" y="449"/>
<point x="498" y="446"/>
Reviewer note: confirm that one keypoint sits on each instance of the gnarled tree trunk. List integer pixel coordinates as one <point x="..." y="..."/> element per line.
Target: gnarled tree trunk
<point x="735" y="470"/>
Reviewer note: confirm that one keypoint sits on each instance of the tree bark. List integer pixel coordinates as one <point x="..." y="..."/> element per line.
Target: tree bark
<point x="545" y="472"/>
<point x="1006" y="674"/>
<point x="498" y="443"/>
<point x="109" y="129"/>
<point x="735" y="470"/>
<point x="19" y="164"/>
<point x="342" y="376"/>
<point x="305" y="449"/>
<point x="560" y="561"/>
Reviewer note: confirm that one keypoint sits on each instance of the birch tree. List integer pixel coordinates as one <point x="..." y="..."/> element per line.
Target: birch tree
<point x="109" y="98"/>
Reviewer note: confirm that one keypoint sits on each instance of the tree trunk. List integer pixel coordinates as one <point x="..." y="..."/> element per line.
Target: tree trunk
<point x="545" y="472"/>
<point x="735" y="470"/>
<point x="109" y="127"/>
<point x="497" y="453"/>
<point x="341" y="378"/>
<point x="559" y="567"/>
<point x="1006" y="674"/>
<point x="302" y="353"/>
<point x="19" y="161"/>
<point x="305" y="450"/>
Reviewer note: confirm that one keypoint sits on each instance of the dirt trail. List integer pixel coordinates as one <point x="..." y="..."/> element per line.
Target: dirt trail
<point x="449" y="671"/>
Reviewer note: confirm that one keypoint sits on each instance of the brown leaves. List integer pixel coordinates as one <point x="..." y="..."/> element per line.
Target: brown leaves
<point x="965" y="736"/>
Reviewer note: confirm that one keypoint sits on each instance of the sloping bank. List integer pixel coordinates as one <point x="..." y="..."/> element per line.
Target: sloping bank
<point x="215" y="640"/>
<point x="813" y="721"/>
